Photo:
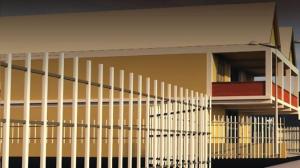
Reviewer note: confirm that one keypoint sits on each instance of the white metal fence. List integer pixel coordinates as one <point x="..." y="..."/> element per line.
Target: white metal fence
<point x="166" y="129"/>
<point x="292" y="139"/>
<point x="246" y="137"/>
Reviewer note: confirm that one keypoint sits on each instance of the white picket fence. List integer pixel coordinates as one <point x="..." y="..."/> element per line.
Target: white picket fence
<point x="245" y="137"/>
<point x="165" y="129"/>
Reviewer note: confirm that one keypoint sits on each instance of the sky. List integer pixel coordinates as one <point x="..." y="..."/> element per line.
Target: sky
<point x="288" y="10"/>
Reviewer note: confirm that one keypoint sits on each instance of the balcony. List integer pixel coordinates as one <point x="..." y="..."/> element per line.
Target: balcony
<point x="238" y="88"/>
<point x="252" y="88"/>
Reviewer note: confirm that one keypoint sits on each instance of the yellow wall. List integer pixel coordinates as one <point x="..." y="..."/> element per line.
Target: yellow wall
<point x="186" y="70"/>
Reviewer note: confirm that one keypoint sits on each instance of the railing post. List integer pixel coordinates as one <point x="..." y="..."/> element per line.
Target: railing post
<point x="6" y="113"/>
<point x="44" y="130"/>
<point x="139" y="136"/>
<point x="74" y="113"/>
<point x="111" y="117"/>
<point x="130" y="122"/>
<point x="99" y="116"/>
<point x="26" y="115"/>
<point x="60" y="112"/>
<point x="121" y="118"/>
<point x="88" y="114"/>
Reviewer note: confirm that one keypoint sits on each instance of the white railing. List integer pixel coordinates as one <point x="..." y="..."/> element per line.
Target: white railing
<point x="154" y="130"/>
<point x="246" y="137"/>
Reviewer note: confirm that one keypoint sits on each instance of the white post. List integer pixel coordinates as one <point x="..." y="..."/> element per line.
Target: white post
<point x="26" y="115"/>
<point x="162" y="124"/>
<point x="111" y="117"/>
<point x="130" y="122"/>
<point x="44" y="112"/>
<point x="181" y="161"/>
<point x="74" y="113"/>
<point x="210" y="130"/>
<point x="88" y="115"/>
<point x="60" y="112"/>
<point x="186" y="129"/>
<point x="175" y="128"/>
<point x="169" y="145"/>
<point x="191" y="118"/>
<point x="6" y="114"/>
<point x="121" y="120"/>
<point x="147" y="123"/>
<point x="99" y="116"/>
<point x="139" y="140"/>
<point x="155" y="125"/>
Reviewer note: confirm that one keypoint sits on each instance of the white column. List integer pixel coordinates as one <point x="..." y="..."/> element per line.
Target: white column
<point x="169" y="144"/>
<point x="26" y="115"/>
<point x="181" y="117"/>
<point x="88" y="114"/>
<point x="6" y="112"/>
<point x="99" y="116"/>
<point x="155" y="125"/>
<point x="121" y="120"/>
<point x="210" y="130"/>
<point x="186" y="129"/>
<point x="74" y="113"/>
<point x="162" y="124"/>
<point x="191" y="126"/>
<point x="130" y="123"/>
<point x="175" y="128"/>
<point x="139" y="140"/>
<point x="60" y="112"/>
<point x="147" y="123"/>
<point x="111" y="117"/>
<point x="44" y="112"/>
<point x="268" y="72"/>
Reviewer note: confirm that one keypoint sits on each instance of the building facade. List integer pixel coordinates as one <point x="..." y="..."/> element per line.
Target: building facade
<point x="239" y="58"/>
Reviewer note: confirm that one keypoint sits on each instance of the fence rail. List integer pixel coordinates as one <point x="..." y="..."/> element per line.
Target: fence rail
<point x="166" y="129"/>
<point x="246" y="137"/>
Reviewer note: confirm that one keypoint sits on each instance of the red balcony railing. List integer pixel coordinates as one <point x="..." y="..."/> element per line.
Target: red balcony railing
<point x="286" y="95"/>
<point x="255" y="88"/>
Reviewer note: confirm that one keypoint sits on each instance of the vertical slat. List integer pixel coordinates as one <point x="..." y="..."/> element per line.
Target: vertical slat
<point x="201" y="119"/>
<point x="197" y="139"/>
<point x="186" y="129"/>
<point x="99" y="116"/>
<point x="44" y="112"/>
<point x="254" y="137"/>
<point x="111" y="117"/>
<point x="181" y="118"/>
<point x="88" y="114"/>
<point x="74" y="113"/>
<point x="147" y="123"/>
<point x="130" y="122"/>
<point x="205" y="130"/>
<point x="26" y="115"/>
<point x="121" y="118"/>
<point x="191" y="126"/>
<point x="162" y="123"/>
<point x="60" y="112"/>
<point x="139" y="140"/>
<point x="155" y="125"/>
<point x="6" y="114"/>
<point x="169" y="145"/>
<point x="175" y="127"/>
<point x="210" y="131"/>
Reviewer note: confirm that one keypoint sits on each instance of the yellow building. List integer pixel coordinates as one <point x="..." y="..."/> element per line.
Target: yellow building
<point x="240" y="58"/>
